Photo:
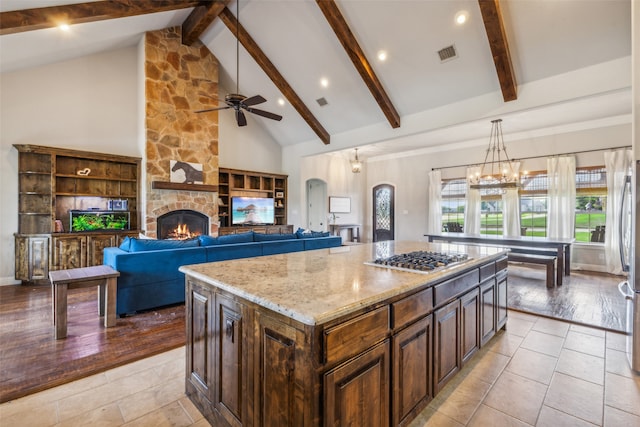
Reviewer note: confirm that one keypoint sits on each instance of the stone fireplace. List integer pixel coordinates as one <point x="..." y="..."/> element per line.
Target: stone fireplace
<point x="179" y="80"/>
<point x="182" y="224"/>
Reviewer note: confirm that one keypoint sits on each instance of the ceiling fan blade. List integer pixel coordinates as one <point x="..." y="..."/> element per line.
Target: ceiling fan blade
<point x="263" y="113"/>
<point x="240" y="118"/>
<point x="212" y="109"/>
<point x="254" y="100"/>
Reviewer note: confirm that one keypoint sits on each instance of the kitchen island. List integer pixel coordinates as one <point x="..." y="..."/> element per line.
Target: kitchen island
<point x="327" y="337"/>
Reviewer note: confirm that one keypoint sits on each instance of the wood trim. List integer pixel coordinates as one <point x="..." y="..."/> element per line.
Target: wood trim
<point x="164" y="185"/>
<point x="18" y="21"/>
<point x="200" y="19"/>
<point x="356" y="54"/>
<point x="267" y="66"/>
<point x="494" y="26"/>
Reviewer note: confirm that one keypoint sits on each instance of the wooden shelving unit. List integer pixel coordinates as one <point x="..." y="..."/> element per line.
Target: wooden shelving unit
<point x="52" y="182"/>
<point x="235" y="182"/>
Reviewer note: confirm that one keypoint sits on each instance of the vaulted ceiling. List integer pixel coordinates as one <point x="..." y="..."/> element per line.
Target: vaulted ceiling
<point x="288" y="46"/>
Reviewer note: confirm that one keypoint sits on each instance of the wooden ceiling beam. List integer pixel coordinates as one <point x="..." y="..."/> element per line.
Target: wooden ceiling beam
<point x="200" y="19"/>
<point x="18" y="21"/>
<point x="356" y="54"/>
<point x="494" y="26"/>
<point x="267" y="66"/>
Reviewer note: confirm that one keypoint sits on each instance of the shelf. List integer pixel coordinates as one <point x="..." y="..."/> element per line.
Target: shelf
<point x="163" y="185"/>
<point x="105" y="178"/>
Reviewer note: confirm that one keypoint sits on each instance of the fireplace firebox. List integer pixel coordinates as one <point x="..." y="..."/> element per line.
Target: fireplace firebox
<point x="182" y="224"/>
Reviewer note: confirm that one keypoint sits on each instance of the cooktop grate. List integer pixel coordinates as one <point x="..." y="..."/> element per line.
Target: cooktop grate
<point x="420" y="261"/>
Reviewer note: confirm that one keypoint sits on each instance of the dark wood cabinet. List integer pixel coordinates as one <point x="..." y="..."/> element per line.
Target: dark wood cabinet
<point x="501" y="300"/>
<point x="447" y="355"/>
<point x="488" y="316"/>
<point x="470" y="323"/>
<point x="54" y="181"/>
<point x="235" y="182"/>
<point x="357" y="392"/>
<point x="248" y="365"/>
<point x="412" y="370"/>
<point x="230" y="388"/>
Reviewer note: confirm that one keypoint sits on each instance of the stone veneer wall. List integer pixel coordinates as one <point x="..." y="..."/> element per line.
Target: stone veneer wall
<point x="179" y="80"/>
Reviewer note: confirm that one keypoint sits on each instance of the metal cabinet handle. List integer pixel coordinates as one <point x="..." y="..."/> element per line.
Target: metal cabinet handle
<point x="229" y="329"/>
<point x="628" y="294"/>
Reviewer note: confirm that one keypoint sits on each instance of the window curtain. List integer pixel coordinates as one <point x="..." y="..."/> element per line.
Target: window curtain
<point x="511" y="208"/>
<point x="617" y="164"/>
<point x="472" y="211"/>
<point x="561" y="173"/>
<point x="434" y="201"/>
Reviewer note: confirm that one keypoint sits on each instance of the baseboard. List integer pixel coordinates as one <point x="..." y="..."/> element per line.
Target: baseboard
<point x="5" y="281"/>
<point x="589" y="267"/>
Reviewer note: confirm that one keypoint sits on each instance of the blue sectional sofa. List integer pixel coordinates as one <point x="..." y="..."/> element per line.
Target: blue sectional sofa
<point x="149" y="275"/>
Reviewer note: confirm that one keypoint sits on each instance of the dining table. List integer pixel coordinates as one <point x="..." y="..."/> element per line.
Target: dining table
<point x="562" y="246"/>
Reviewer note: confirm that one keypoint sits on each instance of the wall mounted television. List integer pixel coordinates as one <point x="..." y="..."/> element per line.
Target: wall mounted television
<point x="252" y="211"/>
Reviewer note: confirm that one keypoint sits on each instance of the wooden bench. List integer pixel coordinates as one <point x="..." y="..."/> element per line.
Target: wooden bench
<point x="102" y="276"/>
<point x="548" y="260"/>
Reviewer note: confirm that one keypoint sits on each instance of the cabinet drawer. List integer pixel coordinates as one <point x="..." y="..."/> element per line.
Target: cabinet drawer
<point x="411" y="308"/>
<point x="487" y="271"/>
<point x="501" y="264"/>
<point x="356" y="335"/>
<point x="451" y="288"/>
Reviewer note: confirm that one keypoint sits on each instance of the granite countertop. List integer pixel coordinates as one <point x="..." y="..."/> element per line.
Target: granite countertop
<point x="314" y="287"/>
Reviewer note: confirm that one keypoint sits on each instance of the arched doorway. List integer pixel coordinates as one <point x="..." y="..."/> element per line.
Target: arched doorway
<point x="383" y="212"/>
<point x="316" y="205"/>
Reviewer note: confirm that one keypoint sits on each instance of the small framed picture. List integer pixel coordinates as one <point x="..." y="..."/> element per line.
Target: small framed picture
<point x="117" y="205"/>
<point x="280" y="194"/>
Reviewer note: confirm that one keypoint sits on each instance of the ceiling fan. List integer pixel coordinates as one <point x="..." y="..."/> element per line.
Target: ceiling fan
<point x="240" y="102"/>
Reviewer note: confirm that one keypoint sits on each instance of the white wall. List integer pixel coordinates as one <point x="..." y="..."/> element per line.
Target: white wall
<point x="248" y="147"/>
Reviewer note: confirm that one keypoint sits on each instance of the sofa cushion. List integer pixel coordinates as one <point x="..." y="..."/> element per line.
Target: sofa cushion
<point x="259" y="237"/>
<point x="236" y="238"/>
<point x="206" y="240"/>
<point x="143" y="245"/>
<point x="126" y="244"/>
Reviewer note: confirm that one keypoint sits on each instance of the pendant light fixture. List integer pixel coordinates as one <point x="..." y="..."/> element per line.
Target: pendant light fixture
<point x="356" y="164"/>
<point x="497" y="171"/>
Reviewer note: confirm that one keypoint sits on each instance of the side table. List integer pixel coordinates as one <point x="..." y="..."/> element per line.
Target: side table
<point x="99" y="275"/>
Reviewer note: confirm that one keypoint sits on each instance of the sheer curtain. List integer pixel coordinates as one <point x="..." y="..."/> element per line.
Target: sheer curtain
<point x="617" y="164"/>
<point x="472" y="209"/>
<point x="511" y="208"/>
<point x="561" y="172"/>
<point x="434" y="209"/>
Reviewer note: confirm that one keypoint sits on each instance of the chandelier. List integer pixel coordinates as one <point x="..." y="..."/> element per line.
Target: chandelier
<point x="356" y="165"/>
<point x="497" y="171"/>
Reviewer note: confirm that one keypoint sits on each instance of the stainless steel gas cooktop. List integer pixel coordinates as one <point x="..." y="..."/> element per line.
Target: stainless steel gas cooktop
<point x="420" y="261"/>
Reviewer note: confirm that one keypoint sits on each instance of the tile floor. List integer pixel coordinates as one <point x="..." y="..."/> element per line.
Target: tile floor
<point x="540" y="372"/>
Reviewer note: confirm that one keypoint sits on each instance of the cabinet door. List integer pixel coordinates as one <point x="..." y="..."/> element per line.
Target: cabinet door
<point x="487" y="310"/>
<point x="69" y="252"/>
<point x="230" y="364"/>
<point x="199" y="343"/>
<point x="412" y="380"/>
<point x="470" y="334"/>
<point x="279" y="374"/>
<point x="447" y="354"/>
<point x="32" y="258"/>
<point x="357" y="392"/>
<point x="501" y="284"/>
<point x="95" y="247"/>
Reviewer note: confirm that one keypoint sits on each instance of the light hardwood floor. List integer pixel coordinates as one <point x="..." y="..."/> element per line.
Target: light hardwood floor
<point x="539" y="372"/>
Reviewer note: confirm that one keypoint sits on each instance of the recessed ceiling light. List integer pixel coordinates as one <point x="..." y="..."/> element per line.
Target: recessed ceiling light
<point x="280" y="101"/>
<point x="462" y="17"/>
<point x="64" y="27"/>
<point x="324" y="82"/>
<point x="382" y="55"/>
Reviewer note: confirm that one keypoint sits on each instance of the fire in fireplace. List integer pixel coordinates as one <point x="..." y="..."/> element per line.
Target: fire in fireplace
<point x="182" y="224"/>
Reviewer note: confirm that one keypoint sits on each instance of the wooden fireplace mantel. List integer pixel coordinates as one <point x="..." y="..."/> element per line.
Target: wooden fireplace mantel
<point x="164" y="185"/>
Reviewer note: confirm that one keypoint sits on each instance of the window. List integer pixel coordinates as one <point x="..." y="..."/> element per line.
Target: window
<point x="454" y="192"/>
<point x="591" y="203"/>
<point x="533" y="204"/>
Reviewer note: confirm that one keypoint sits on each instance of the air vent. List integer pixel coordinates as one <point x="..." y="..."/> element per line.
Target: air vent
<point x="321" y="102"/>
<point x="448" y="53"/>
